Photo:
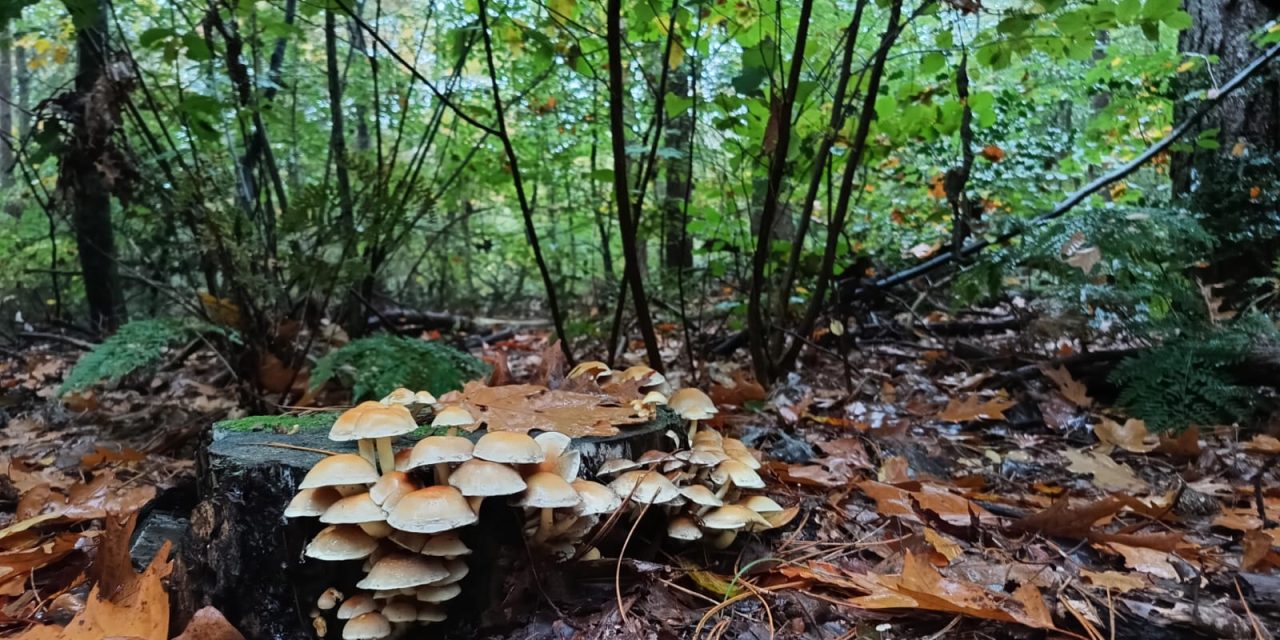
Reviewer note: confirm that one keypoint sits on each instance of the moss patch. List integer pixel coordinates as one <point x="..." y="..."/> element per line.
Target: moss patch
<point x="280" y="424"/>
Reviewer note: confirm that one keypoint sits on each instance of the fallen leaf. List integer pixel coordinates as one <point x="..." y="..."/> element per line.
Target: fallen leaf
<point x="970" y="410"/>
<point x="738" y="393"/>
<point x="950" y="549"/>
<point x="1146" y="560"/>
<point x="892" y="501"/>
<point x="993" y="153"/>
<point x="526" y="407"/>
<point x="1108" y="474"/>
<point x="1066" y="520"/>
<point x="1257" y="554"/>
<point x="1131" y="436"/>
<point x="1114" y="580"/>
<point x="809" y="474"/>
<point x="1263" y="443"/>
<point x="1070" y="388"/>
<point x="1183" y="445"/>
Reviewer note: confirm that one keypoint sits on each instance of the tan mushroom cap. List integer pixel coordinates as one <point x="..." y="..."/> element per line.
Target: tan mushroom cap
<point x="692" y="404"/>
<point x="311" y="502"/>
<point x="329" y="599"/>
<point x="683" y="528"/>
<point x="739" y="474"/>
<point x="432" y="510"/>
<point x="447" y="545"/>
<point x="647" y="376"/>
<point x="735" y="449"/>
<point x="616" y="465"/>
<point x="703" y="457"/>
<point x="400" y="396"/>
<point x="436" y="594"/>
<point x="439" y="449"/>
<point x="384" y="421"/>
<point x="547" y="490"/>
<point x="401" y="610"/>
<point x="653" y="398"/>
<point x="509" y="447"/>
<point x="453" y="416"/>
<point x="367" y="626"/>
<point x="341" y="542"/>
<point x="644" y="486"/>
<point x="553" y="444"/>
<point x="431" y="613"/>
<point x="593" y="368"/>
<point x="708" y="438"/>
<point x="477" y="477"/>
<point x="595" y="498"/>
<point x="390" y="488"/>
<point x="457" y="568"/>
<point x="345" y="468"/>
<point x="701" y="496"/>
<point x="354" y="510"/>
<point x="355" y="605"/>
<point x="762" y="505"/>
<point x="399" y="570"/>
<point x="732" y="516"/>
<point x="344" y="427"/>
<point x="424" y="397"/>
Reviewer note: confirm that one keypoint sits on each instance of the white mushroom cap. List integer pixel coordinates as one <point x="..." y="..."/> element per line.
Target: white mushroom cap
<point x="653" y="398"/>
<point x="436" y="594"/>
<point x="345" y="468"/>
<point x="740" y="452"/>
<point x="457" y="568"/>
<point x="762" y="505"/>
<point x="400" y="396"/>
<point x="703" y="457"/>
<point x="701" y="495"/>
<point x="683" y="528"/>
<point x="645" y="487"/>
<point x="508" y="447"/>
<point x="341" y="542"/>
<point x="553" y="443"/>
<point x="477" y="477"/>
<point x="708" y="437"/>
<point x="431" y="613"/>
<point x="447" y="545"/>
<point x="596" y="498"/>
<point x="692" y="404"/>
<point x="398" y="570"/>
<point x="354" y="510"/>
<point x="647" y="376"/>
<point x="616" y="465"/>
<point x="367" y="626"/>
<point x="732" y="516"/>
<point x="401" y="610"/>
<point x="424" y="397"/>
<point x="432" y="510"/>
<point x="372" y="420"/>
<point x="409" y="541"/>
<point x="453" y="416"/>
<point x="739" y="474"/>
<point x="439" y="449"/>
<point x="390" y="488"/>
<point x="355" y="605"/>
<point x="311" y="502"/>
<point x="329" y="599"/>
<point x="548" y="491"/>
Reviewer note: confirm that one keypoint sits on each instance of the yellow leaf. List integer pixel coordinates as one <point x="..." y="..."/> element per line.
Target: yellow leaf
<point x="1239" y="148"/>
<point x="60" y="54"/>
<point x="1186" y="66"/>
<point x="1116" y="61"/>
<point x="42" y="45"/>
<point x="677" y="54"/>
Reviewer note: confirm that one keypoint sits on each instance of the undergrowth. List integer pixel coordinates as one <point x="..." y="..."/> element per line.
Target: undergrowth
<point x="375" y="366"/>
<point x="136" y="348"/>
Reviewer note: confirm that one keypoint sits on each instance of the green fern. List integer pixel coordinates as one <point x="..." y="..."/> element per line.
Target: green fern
<point x="136" y="348"/>
<point x="375" y="366"/>
<point x="1189" y="380"/>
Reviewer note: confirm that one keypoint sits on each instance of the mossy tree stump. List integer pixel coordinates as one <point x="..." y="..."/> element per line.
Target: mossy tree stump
<point x="242" y="556"/>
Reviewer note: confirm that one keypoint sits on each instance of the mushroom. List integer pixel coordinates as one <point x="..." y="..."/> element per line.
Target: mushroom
<point x="547" y="491"/>
<point x="594" y="368"/>
<point x="359" y="509"/>
<point x="645" y="487"/>
<point x="431" y="613"/>
<point x="457" y="569"/>
<point x="381" y="423"/>
<point x="439" y="451"/>
<point x="435" y="594"/>
<point x="445" y="545"/>
<point x="701" y="496"/>
<point x="344" y="430"/>
<point x="762" y="505"/>
<point x="341" y="542"/>
<point x="729" y="520"/>
<point x="401" y="396"/>
<point x="655" y="457"/>
<point x="478" y="479"/>
<point x="329" y="599"/>
<point x="683" y="528"/>
<point x="399" y="570"/>
<point x="595" y="499"/>
<point x="615" y="466"/>
<point x="508" y="447"/>
<point x="432" y="510"/>
<point x="310" y="503"/>
<point x="367" y="626"/>
<point x="647" y="376"/>
<point x="452" y="417"/>
<point x="732" y="473"/>
<point x="692" y="405"/>
<point x="357" y="604"/>
<point x="558" y="459"/>
<point x="592" y="554"/>
<point x="424" y="397"/>
<point x="341" y="472"/>
<point x="400" y="610"/>
<point x="734" y="448"/>
<point x="390" y="488"/>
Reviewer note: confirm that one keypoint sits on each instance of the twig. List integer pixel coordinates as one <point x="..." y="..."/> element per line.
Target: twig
<point x="57" y="337"/>
<point x="281" y="445"/>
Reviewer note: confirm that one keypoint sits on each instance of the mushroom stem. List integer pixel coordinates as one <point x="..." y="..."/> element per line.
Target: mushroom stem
<point x="442" y="473"/>
<point x="386" y="457"/>
<point x="724" y="489"/>
<point x="366" y="451"/>
<point x="475" y="502"/>
<point x="693" y="429"/>
<point x="564" y="525"/>
<point x="724" y="539"/>
<point x="545" y="525"/>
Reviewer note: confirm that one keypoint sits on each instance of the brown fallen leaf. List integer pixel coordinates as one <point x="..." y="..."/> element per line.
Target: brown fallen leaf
<point x="1258" y="554"/>
<point x="1070" y="388"/>
<point x="1066" y="520"/>
<point x="1146" y="560"/>
<point x="1263" y="443"/>
<point x="944" y="545"/>
<point x="737" y="394"/>
<point x="813" y="475"/>
<point x="1184" y="445"/>
<point x="1131" y="436"/>
<point x="970" y="410"/>
<point x="1108" y="474"/>
<point x="1114" y="580"/>
<point x="209" y="624"/>
<point x="892" y="501"/>
<point x="526" y="407"/>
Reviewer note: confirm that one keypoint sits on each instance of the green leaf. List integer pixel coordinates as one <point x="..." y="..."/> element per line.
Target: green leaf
<point x="677" y="105"/>
<point x="1128" y="9"/>
<point x="1178" y="20"/>
<point x="154" y="35"/>
<point x="932" y="63"/>
<point x="1158" y="9"/>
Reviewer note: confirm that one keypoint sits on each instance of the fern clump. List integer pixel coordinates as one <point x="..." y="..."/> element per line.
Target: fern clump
<point x="375" y="366"/>
<point x="137" y="347"/>
<point x="1189" y="380"/>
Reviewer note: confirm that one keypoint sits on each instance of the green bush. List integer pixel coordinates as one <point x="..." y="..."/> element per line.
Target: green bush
<point x="375" y="366"/>
<point x="137" y="347"/>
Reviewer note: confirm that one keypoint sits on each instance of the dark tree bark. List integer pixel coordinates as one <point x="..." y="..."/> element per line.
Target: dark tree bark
<point x="678" y="247"/>
<point x="1216" y="182"/>
<point x="88" y="154"/>
<point x="6" y="107"/>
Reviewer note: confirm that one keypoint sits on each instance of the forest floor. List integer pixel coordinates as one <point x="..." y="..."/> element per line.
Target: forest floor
<point x="937" y="497"/>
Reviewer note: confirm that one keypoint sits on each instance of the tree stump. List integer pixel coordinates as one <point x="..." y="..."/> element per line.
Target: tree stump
<point x="242" y="556"/>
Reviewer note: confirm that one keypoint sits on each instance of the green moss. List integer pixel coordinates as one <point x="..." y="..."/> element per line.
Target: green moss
<point x="306" y="422"/>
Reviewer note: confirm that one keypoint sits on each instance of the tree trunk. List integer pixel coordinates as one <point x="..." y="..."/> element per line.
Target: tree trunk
<point x="678" y="248"/>
<point x="82" y="182"/>
<point x="6" y="109"/>
<point x="1217" y="182"/>
<point x="23" y="77"/>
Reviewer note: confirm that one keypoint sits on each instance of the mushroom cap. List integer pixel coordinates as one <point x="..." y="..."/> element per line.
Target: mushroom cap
<point x="731" y="516"/>
<point x="424" y="397"/>
<point x="432" y="510"/>
<point x="701" y="495"/>
<point x="385" y="421"/>
<point x="329" y="599"/>
<point x="344" y="468"/>
<point x="354" y="509"/>
<point x="367" y="626"/>
<point x="311" y="502"/>
<point x="653" y="398"/>
<point x="447" y="545"/>
<point x="341" y="542"/>
<point x="593" y="368"/>
<point x="390" y="488"/>
<point x="477" y="477"/>
<point x="355" y="605"/>
<point x="692" y="404"/>
<point x="647" y="376"/>
<point x="739" y="474"/>
<point x="703" y="457"/>
<point x="547" y="490"/>
<point x="683" y="528"/>
<point x="553" y="443"/>
<point x="616" y="465"/>
<point x="439" y="449"/>
<point x="400" y="396"/>
<point x="761" y="504"/>
<point x="592" y="554"/>
<point x="457" y="568"/>
<point x="401" y="610"/>
<point x="708" y="437"/>
<point x="567" y="465"/>
<point x="408" y="541"/>
<point x="735" y="449"/>
<point x="431" y="613"/>
<point x="436" y="594"/>
<point x="595" y="498"/>
<point x="509" y="447"/>
<point x="398" y="570"/>
<point x="645" y="487"/>
<point x="453" y="416"/>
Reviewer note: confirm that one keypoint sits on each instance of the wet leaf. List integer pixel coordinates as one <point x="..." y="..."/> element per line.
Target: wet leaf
<point x="1107" y="474"/>
<point x="970" y="410"/>
<point x="525" y="407"/>
<point x="1131" y="436"/>
<point x="1070" y="388"/>
<point x="1146" y="560"/>
<point x="1114" y="580"/>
